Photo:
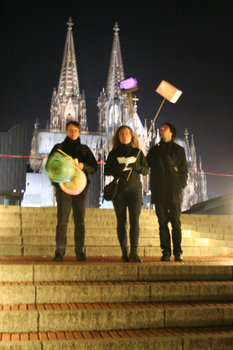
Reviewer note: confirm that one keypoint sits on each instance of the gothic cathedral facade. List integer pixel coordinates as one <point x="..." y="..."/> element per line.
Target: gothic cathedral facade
<point x="68" y="103"/>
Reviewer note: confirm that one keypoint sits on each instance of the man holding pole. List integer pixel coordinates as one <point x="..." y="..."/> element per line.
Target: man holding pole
<point x="169" y="174"/>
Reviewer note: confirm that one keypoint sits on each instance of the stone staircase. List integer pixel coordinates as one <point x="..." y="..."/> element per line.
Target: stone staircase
<point x="31" y="232"/>
<point x="114" y="305"/>
<point x="106" y="304"/>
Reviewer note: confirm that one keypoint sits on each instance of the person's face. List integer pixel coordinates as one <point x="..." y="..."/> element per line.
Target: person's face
<point x="165" y="133"/>
<point x="72" y="132"/>
<point x="125" y="136"/>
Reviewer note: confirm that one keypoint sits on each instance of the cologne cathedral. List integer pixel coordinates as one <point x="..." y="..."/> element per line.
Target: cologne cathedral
<point x="68" y="103"/>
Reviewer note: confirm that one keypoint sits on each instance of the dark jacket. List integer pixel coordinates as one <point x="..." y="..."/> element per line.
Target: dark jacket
<point x="75" y="149"/>
<point x="119" y="163"/>
<point x="169" y="172"/>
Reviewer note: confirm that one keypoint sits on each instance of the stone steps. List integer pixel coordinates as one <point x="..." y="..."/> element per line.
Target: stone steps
<point x="12" y="235"/>
<point x="108" y="230"/>
<point x="108" y="251"/>
<point x="31" y="232"/>
<point x="108" y="240"/>
<point x="106" y="304"/>
<point x="36" y="271"/>
<point x="73" y="317"/>
<point x="115" y="292"/>
<point x="163" y="339"/>
<point x="100" y="305"/>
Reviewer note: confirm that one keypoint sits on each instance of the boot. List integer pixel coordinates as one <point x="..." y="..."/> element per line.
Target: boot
<point x="165" y="257"/>
<point x="80" y="255"/>
<point x="178" y="257"/>
<point x="124" y="257"/>
<point x="58" y="256"/>
<point x="133" y="256"/>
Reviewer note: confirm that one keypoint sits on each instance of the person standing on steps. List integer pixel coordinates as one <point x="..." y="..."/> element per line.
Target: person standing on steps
<point x="87" y="163"/>
<point x="169" y="173"/>
<point x="121" y="160"/>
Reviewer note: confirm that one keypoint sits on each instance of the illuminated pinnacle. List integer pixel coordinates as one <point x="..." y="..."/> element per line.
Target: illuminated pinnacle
<point x="135" y="99"/>
<point x="116" y="72"/>
<point x="70" y="23"/>
<point x="116" y="28"/>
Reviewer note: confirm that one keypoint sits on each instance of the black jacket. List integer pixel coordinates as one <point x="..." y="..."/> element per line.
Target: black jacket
<point x="169" y="172"/>
<point x="119" y="163"/>
<point x="77" y="150"/>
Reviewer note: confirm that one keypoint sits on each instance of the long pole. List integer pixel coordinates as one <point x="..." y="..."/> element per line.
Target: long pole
<point x="148" y="133"/>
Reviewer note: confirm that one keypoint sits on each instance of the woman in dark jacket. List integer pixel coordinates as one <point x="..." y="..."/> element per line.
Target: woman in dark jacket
<point x="125" y="158"/>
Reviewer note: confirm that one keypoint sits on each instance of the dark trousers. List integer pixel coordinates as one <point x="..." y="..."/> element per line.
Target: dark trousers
<point x="169" y="212"/>
<point x="132" y="200"/>
<point x="64" y="203"/>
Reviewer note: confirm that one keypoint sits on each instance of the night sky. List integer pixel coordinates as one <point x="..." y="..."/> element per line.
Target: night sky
<point x="188" y="45"/>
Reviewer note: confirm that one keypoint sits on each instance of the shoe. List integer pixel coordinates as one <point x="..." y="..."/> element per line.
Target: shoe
<point x="124" y="257"/>
<point x="165" y="257"/>
<point x="81" y="257"/>
<point x="58" y="257"/>
<point x="178" y="257"/>
<point x="133" y="256"/>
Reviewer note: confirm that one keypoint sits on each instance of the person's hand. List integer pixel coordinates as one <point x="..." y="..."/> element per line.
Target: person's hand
<point x="135" y="166"/>
<point x="80" y="165"/>
<point x="131" y="165"/>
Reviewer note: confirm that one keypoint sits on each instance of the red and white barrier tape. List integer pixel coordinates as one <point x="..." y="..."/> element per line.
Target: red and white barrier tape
<point x="44" y="157"/>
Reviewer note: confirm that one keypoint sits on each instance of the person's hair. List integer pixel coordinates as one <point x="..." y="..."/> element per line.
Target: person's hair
<point x="172" y="128"/>
<point x="73" y="122"/>
<point x="116" y="142"/>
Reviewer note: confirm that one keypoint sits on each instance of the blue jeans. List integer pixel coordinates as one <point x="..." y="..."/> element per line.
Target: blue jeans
<point x="169" y="212"/>
<point x="64" y="203"/>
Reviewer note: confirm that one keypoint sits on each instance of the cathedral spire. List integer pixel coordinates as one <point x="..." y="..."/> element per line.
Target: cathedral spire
<point x="113" y="106"/>
<point x="68" y="83"/>
<point x="68" y="104"/>
<point x="116" y="71"/>
<point x="193" y="154"/>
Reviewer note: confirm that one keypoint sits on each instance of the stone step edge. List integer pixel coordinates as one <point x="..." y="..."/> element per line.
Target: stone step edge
<point x="24" y="271"/>
<point x="91" y="320"/>
<point x="112" y="306"/>
<point x="4" y="245"/>
<point x="142" y="237"/>
<point x="116" y="334"/>
<point x="117" y="283"/>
